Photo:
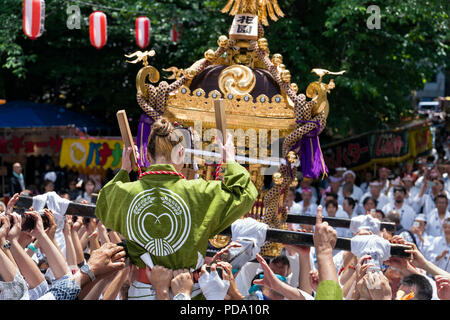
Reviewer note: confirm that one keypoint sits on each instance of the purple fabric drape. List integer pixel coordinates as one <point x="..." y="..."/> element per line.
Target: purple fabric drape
<point x="311" y="157"/>
<point x="144" y="129"/>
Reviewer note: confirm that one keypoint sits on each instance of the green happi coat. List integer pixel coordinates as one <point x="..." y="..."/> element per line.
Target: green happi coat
<point x="173" y="218"/>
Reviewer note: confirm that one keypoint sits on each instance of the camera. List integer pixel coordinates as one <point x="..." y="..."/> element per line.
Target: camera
<point x="218" y="269"/>
<point x="29" y="222"/>
<point x="11" y="221"/>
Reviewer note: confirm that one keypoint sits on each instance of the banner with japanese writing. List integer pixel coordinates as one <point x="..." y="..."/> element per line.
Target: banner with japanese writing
<point x="389" y="145"/>
<point x="378" y="147"/>
<point x="18" y="143"/>
<point x="351" y="153"/>
<point x="102" y="153"/>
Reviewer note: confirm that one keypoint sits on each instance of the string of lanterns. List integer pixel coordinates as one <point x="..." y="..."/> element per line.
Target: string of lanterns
<point x="34" y="20"/>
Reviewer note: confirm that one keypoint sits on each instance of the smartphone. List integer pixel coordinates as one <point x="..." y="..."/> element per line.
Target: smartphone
<point x="416" y="224"/>
<point x="218" y="269"/>
<point x="430" y="184"/>
<point x="124" y="245"/>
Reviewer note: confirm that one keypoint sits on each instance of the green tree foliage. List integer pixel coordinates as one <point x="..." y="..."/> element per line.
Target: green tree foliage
<point x="383" y="65"/>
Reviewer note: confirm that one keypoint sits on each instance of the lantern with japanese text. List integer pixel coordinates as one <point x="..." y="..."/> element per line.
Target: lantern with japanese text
<point x="33" y="18"/>
<point x="97" y="29"/>
<point x="142" y="32"/>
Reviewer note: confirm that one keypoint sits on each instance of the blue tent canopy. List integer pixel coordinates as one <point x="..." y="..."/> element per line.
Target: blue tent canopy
<point x="25" y="114"/>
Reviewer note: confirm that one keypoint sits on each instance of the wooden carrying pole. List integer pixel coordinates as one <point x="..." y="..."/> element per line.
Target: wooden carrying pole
<point x="273" y="235"/>
<point x="126" y="136"/>
<point x="221" y="121"/>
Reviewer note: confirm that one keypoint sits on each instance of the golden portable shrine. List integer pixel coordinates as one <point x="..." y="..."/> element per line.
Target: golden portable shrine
<point x="258" y="94"/>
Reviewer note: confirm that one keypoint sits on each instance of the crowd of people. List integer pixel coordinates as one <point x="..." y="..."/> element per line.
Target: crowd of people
<point x="45" y="254"/>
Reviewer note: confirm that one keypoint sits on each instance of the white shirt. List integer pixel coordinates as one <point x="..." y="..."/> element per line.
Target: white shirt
<point x="311" y="210"/>
<point x="428" y="203"/>
<point x="344" y="232"/>
<point x="434" y="223"/>
<point x="407" y="214"/>
<point x="438" y="246"/>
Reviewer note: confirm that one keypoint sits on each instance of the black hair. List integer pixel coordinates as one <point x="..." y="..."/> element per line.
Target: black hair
<point x="333" y="202"/>
<point x="424" y="288"/>
<point x="400" y="188"/>
<point x="281" y="259"/>
<point x="351" y="201"/>
<point x="331" y="194"/>
<point x="443" y="196"/>
<point x="393" y="217"/>
<point x="381" y="212"/>
<point x="370" y="198"/>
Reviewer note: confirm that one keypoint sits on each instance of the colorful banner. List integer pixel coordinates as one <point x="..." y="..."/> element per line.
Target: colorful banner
<point x="89" y="153"/>
<point x="378" y="147"/>
<point x="420" y="141"/>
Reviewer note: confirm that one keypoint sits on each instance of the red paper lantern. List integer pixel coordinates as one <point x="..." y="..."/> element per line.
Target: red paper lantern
<point x="33" y="18"/>
<point x="97" y="29"/>
<point x="174" y="33"/>
<point x="142" y="32"/>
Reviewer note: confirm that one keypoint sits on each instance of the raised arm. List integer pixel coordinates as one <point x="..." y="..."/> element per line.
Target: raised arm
<point x="56" y="260"/>
<point x="271" y="281"/>
<point x="324" y="241"/>
<point x="28" y="268"/>
<point x="7" y="268"/>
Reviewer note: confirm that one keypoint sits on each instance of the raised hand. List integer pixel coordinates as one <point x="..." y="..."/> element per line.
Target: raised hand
<point x="325" y="237"/>
<point x="443" y="287"/>
<point x="182" y="282"/>
<point x="160" y="279"/>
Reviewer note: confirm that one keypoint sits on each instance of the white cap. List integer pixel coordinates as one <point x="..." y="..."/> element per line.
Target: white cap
<point x="351" y="172"/>
<point x="335" y="179"/>
<point x="50" y="176"/>
<point x="420" y="217"/>
<point x="341" y="169"/>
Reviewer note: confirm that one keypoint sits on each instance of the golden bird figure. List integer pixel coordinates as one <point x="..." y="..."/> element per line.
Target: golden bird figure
<point x="140" y="56"/>
<point x="261" y="8"/>
<point x="322" y="72"/>
<point x="176" y="73"/>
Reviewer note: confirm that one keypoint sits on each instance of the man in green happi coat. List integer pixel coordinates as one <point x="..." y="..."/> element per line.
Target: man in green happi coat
<point x="166" y="219"/>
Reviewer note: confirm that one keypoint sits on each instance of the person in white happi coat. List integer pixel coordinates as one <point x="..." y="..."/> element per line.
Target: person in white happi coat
<point x="383" y="175"/>
<point x="407" y="214"/>
<point x="368" y="176"/>
<point x="349" y="177"/>
<point x="411" y="192"/>
<point x="335" y="184"/>
<point x="437" y="216"/>
<point x="375" y="192"/>
<point x="348" y="212"/>
<point x="439" y="251"/>
<point x="307" y="206"/>
<point x="417" y="234"/>
<point x="427" y="200"/>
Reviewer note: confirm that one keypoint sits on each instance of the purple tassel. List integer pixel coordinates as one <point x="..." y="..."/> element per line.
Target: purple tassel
<point x="311" y="156"/>
<point x="143" y="134"/>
